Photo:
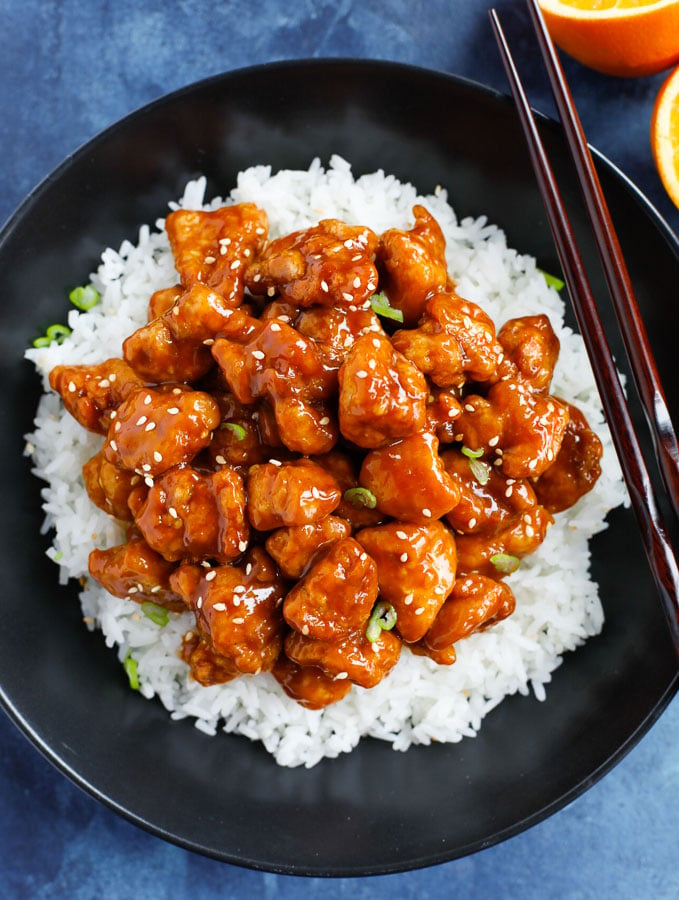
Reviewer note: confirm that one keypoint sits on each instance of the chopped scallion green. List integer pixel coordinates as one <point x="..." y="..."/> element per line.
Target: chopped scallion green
<point x="505" y="563"/>
<point x="471" y="454"/>
<point x="157" y="614"/>
<point x="130" y="666"/>
<point x="361" y="497"/>
<point x="382" y="307"/>
<point x="237" y="430"/>
<point x="480" y="470"/>
<point x="552" y="280"/>
<point x="55" y="334"/>
<point x="84" y="297"/>
<point x="382" y="618"/>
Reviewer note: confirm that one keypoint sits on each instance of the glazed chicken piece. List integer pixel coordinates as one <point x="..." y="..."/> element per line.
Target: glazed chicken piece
<point x="109" y="487"/>
<point x="284" y="367"/>
<point x="453" y="343"/>
<point x="296" y="547"/>
<point x="330" y="264"/>
<point x="237" y="609"/>
<point x="523" y="428"/>
<point x="163" y="300"/>
<point x="92" y="393"/>
<point x="475" y="604"/>
<point x="207" y="666"/>
<point x="308" y="685"/>
<point x="336" y="330"/>
<point x="238" y="440"/>
<point x="409" y="480"/>
<point x="490" y="554"/>
<point x="188" y="515"/>
<point x="176" y="345"/>
<point x="134" y="571"/>
<point x="352" y="506"/>
<point x="156" y="429"/>
<point x="337" y="594"/>
<point x="531" y="351"/>
<point x="576" y="468"/>
<point x="216" y="247"/>
<point x="415" y="570"/>
<point x="382" y="395"/>
<point x="298" y="492"/>
<point x="353" y="657"/>
<point x="489" y="502"/>
<point x="413" y="265"/>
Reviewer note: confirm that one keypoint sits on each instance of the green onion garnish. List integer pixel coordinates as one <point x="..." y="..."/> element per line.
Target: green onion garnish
<point x="360" y="497"/>
<point x="480" y="469"/>
<point x="55" y="334"/>
<point x="552" y="280"/>
<point x="383" y="618"/>
<point x="471" y="454"/>
<point x="381" y="306"/>
<point x="84" y="297"/>
<point x="236" y="429"/>
<point x="130" y="666"/>
<point x="505" y="563"/>
<point x="157" y="614"/>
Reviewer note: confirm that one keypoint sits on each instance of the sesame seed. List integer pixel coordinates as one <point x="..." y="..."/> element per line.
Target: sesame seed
<point x="208" y="342"/>
<point x="113" y="446"/>
<point x="403" y="557"/>
<point x="112" y="377"/>
<point x="113" y="414"/>
<point x="509" y="491"/>
<point x="175" y="309"/>
<point x="408" y="599"/>
<point x="132" y="590"/>
<point x="305" y="629"/>
<point x="173" y="512"/>
<point x="315" y="493"/>
<point x="472" y="523"/>
<point x="174" y="391"/>
<point x="248" y="568"/>
<point x="117" y="427"/>
<point x="239" y="589"/>
<point x="209" y="260"/>
<point x="258" y="277"/>
<point x="219" y="607"/>
<point x="275" y="462"/>
<point x="71" y="386"/>
<point x="419" y="610"/>
<point x="141" y="420"/>
<point x="283" y="318"/>
<point x="324" y="286"/>
<point x="372" y="364"/>
<point x="238" y="621"/>
<point x="371" y="287"/>
<point x="148" y="481"/>
<point x="150" y="426"/>
<point x="242" y="546"/>
<point x="270" y="291"/>
<point x="376" y="343"/>
<point x="260" y="230"/>
<point x="363" y="557"/>
<point x="324" y="421"/>
<point x="376" y="647"/>
<point x="493" y="441"/>
<point x="348" y="297"/>
<point x="148" y="398"/>
<point x="104" y="383"/>
<point x="402" y="535"/>
<point x="211" y="575"/>
<point x="173" y="410"/>
<point x="275" y="326"/>
<point x="550" y="454"/>
<point x="361" y="373"/>
<point x="258" y="354"/>
<point x="530" y="531"/>
<point x="498" y="462"/>
<point x="222" y="251"/>
<point x="155" y="588"/>
<point x="341" y="676"/>
<point x="235" y="264"/>
<point x="426" y="512"/>
<point x="357" y="282"/>
<point x="533" y="464"/>
<point x="158" y="457"/>
<point x="220" y="460"/>
<point x="469" y="407"/>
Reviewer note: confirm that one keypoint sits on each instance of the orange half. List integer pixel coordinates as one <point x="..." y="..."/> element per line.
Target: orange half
<point x="618" y="37"/>
<point x="665" y="135"/>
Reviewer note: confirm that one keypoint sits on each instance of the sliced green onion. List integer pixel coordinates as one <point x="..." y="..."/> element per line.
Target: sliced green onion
<point x="552" y="280"/>
<point x="57" y="556"/>
<point x="471" y="454"/>
<point x="130" y="666"/>
<point x="505" y="563"/>
<point x="382" y="618"/>
<point x="84" y="297"/>
<point x="55" y="334"/>
<point x="157" y="614"/>
<point x="381" y="306"/>
<point x="360" y="497"/>
<point x="236" y="429"/>
<point x="480" y="470"/>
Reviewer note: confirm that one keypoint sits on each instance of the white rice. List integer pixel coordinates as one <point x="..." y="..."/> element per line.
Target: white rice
<point x="558" y="605"/>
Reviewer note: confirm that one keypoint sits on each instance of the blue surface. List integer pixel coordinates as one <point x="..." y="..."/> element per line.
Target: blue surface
<point x="69" y="68"/>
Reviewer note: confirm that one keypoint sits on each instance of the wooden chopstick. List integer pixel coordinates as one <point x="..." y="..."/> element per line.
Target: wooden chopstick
<point x="643" y="365"/>
<point x="657" y="545"/>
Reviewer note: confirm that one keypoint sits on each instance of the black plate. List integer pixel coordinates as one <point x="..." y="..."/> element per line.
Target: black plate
<point x="374" y="810"/>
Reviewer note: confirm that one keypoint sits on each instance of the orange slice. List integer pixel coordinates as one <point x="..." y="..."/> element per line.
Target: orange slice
<point x="665" y="135"/>
<point x="618" y="37"/>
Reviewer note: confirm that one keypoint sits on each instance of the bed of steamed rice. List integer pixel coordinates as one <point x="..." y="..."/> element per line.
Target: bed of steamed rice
<point x="558" y="605"/>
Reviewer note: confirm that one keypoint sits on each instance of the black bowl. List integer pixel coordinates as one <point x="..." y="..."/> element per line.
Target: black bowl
<point x="374" y="810"/>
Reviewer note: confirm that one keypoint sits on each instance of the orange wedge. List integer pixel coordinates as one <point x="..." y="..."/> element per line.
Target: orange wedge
<point x="665" y="135"/>
<point x="618" y="37"/>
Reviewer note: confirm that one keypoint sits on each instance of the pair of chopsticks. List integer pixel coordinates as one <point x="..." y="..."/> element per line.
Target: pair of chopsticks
<point x="658" y="548"/>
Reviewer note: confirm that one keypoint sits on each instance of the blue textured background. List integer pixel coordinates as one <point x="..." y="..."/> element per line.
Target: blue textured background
<point x="71" y="67"/>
